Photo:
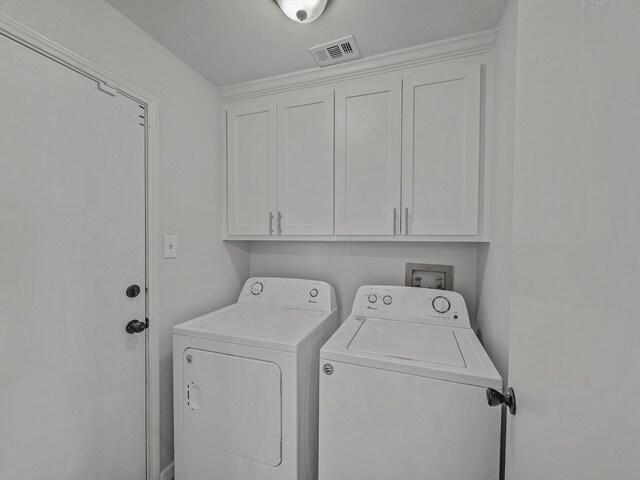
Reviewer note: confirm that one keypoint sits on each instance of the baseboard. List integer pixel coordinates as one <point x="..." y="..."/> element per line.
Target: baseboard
<point x="167" y="473"/>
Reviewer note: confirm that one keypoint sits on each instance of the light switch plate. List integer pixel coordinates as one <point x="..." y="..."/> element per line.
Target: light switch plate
<point x="170" y="246"/>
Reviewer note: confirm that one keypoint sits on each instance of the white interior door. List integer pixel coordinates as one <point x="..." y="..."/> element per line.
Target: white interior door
<point x="574" y="352"/>
<point x="368" y="149"/>
<point x="441" y="150"/>
<point x="252" y="151"/>
<point x="72" y="210"/>
<point x="305" y="163"/>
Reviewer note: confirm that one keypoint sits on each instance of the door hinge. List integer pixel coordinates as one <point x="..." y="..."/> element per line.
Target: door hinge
<point x="142" y="117"/>
<point x="108" y="89"/>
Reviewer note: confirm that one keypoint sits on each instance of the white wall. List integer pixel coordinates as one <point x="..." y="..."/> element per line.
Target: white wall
<point x="574" y="353"/>
<point x="207" y="273"/>
<point x="349" y="265"/>
<point x="494" y="259"/>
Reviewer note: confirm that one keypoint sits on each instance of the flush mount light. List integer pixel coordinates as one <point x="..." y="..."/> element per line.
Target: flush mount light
<point x="302" y="11"/>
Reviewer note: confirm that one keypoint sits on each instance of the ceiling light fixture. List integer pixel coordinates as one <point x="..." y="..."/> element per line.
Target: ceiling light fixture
<point x="302" y="11"/>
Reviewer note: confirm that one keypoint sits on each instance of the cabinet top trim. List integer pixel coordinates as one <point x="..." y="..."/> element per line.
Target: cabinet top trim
<point x="475" y="43"/>
<point x="359" y="238"/>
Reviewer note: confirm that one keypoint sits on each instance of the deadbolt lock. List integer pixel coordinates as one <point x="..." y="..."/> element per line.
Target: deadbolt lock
<point x="132" y="291"/>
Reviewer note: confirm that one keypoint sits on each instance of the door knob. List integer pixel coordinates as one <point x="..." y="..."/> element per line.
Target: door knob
<point x="495" y="398"/>
<point x="135" y="326"/>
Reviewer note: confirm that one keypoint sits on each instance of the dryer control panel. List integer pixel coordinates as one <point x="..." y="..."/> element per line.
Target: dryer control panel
<point x="289" y="293"/>
<point x="409" y="304"/>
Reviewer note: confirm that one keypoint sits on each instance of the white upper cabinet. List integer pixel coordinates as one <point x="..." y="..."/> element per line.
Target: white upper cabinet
<point x="404" y="154"/>
<point x="441" y="150"/>
<point x="368" y="156"/>
<point x="251" y="167"/>
<point x="305" y="163"/>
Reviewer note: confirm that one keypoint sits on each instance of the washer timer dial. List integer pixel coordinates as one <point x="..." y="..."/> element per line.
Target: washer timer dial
<point x="441" y="304"/>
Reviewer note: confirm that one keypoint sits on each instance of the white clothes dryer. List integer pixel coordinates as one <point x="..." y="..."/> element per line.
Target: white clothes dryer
<point x="402" y="391"/>
<point x="246" y="383"/>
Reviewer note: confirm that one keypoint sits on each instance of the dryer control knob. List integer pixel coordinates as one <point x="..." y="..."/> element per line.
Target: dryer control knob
<point x="256" y="288"/>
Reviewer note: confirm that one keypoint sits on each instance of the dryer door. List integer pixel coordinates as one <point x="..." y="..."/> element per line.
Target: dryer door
<point x="233" y="404"/>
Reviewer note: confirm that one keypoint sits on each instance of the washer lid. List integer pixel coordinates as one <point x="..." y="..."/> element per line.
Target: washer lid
<point x="256" y="325"/>
<point x="433" y="351"/>
<point x="409" y="341"/>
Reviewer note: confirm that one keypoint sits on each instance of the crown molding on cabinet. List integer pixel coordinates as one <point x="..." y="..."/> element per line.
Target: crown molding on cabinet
<point x="471" y="44"/>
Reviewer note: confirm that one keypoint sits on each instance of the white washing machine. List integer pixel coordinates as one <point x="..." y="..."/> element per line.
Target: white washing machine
<point x="402" y="391"/>
<point x="246" y="383"/>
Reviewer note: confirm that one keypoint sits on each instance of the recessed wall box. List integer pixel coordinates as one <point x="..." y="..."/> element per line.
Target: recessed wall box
<point x="428" y="275"/>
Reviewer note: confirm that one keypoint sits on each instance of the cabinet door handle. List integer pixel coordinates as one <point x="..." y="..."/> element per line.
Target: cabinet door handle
<point x="395" y="213"/>
<point x="406" y="220"/>
<point x="279" y="223"/>
<point x="270" y="223"/>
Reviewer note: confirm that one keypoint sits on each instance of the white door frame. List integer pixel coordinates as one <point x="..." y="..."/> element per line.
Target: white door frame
<point x="31" y="39"/>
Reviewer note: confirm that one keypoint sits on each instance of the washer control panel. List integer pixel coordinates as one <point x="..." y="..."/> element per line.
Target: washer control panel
<point x="419" y="305"/>
<point x="289" y="293"/>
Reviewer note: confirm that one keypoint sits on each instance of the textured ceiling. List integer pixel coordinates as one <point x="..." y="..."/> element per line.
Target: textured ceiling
<point x="230" y="41"/>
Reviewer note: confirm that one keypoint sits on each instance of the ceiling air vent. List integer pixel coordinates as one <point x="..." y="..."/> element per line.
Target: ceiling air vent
<point x="337" y="51"/>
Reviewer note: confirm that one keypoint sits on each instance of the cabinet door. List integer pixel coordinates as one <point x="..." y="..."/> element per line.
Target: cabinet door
<point x="251" y="166"/>
<point x="441" y="150"/>
<point x="305" y="163"/>
<point x="368" y="157"/>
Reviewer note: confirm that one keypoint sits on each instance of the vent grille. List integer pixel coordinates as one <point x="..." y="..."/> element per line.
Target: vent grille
<point x="338" y="51"/>
<point x="334" y="51"/>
